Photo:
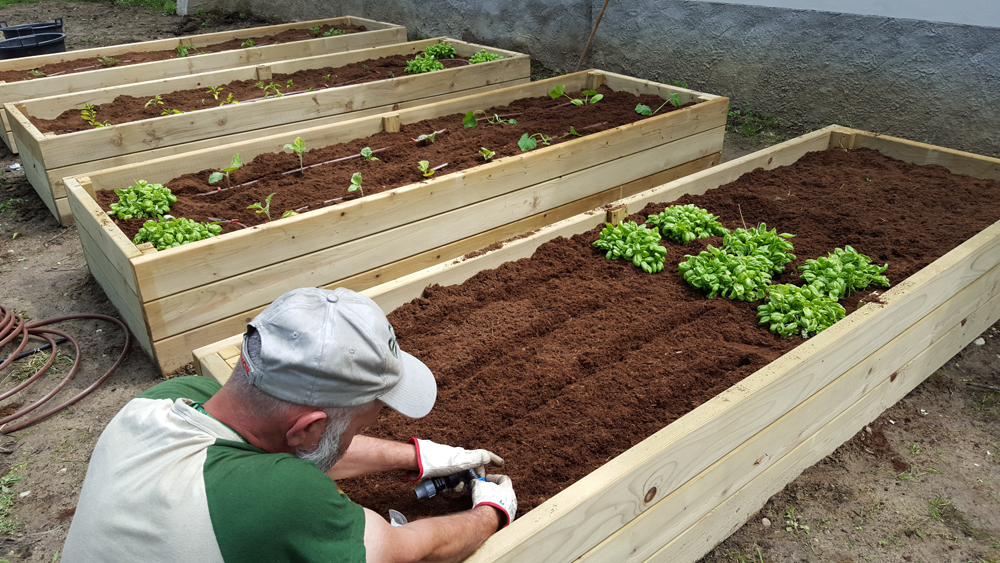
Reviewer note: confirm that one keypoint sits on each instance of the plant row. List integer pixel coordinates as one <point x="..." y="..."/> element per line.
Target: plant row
<point x="744" y="267"/>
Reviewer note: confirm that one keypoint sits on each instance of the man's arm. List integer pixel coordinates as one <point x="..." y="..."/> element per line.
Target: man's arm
<point x="370" y="455"/>
<point x="442" y="539"/>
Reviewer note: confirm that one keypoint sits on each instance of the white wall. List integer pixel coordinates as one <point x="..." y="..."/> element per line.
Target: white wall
<point x="969" y="12"/>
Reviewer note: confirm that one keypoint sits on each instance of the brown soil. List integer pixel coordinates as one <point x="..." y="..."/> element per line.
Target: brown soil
<point x="126" y="109"/>
<point x="562" y="361"/>
<point x="457" y="147"/>
<point x="84" y="65"/>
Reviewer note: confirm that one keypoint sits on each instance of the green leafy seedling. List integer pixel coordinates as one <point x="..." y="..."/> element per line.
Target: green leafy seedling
<point x="334" y="32"/>
<point x="421" y="64"/>
<point x="424" y="167"/>
<point x="89" y="114"/>
<point x="155" y="100"/>
<point x="108" y="61"/>
<point x="440" y="51"/>
<point x="366" y="153"/>
<point x="742" y="278"/>
<point x="247" y="44"/>
<point x="487" y="153"/>
<point x="527" y="142"/>
<point x="589" y="96"/>
<point x="289" y="213"/>
<point x="214" y="91"/>
<point x="35" y="73"/>
<point x="791" y="309"/>
<point x="674" y="99"/>
<point x="265" y="208"/>
<point x="315" y="30"/>
<point x="630" y="241"/>
<point x="298" y="146"/>
<point x="429" y="137"/>
<point x="685" y="223"/>
<point x="168" y="232"/>
<point x="229" y="100"/>
<point x="761" y="242"/>
<point x="484" y="56"/>
<point x="356" y="184"/>
<point x="171" y="112"/>
<point x="224" y="173"/>
<point x="185" y="50"/>
<point x="572" y="132"/>
<point x="843" y="272"/>
<point x="142" y="200"/>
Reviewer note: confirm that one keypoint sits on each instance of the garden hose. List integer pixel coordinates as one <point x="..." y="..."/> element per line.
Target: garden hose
<point x="13" y="326"/>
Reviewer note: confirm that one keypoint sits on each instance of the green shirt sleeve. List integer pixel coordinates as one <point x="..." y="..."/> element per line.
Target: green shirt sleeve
<point x="277" y="507"/>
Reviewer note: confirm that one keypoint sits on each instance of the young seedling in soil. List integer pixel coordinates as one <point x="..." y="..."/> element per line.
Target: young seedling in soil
<point x="185" y="50"/>
<point x="247" y="44"/>
<point x="171" y="112"/>
<point x="35" y="73"/>
<point x="487" y="153"/>
<point x="742" y="278"/>
<point x="421" y="64"/>
<point x="842" y="272"/>
<point x="366" y="153"/>
<point x="571" y="132"/>
<point x="235" y="165"/>
<point x="289" y="213"/>
<point x="429" y="138"/>
<point x="424" y="167"/>
<point x="265" y="209"/>
<point x="634" y="242"/>
<point x="470" y="119"/>
<point x="298" y="146"/>
<point x="168" y="232"/>
<point x="142" y="200"/>
<point x="315" y="30"/>
<point x="484" y="56"/>
<point x="761" y="242"/>
<point x="356" y="184"/>
<point x="157" y="100"/>
<point x="214" y="91"/>
<point x="333" y="32"/>
<point x="589" y="96"/>
<point x="440" y="51"/>
<point x="674" y="99"/>
<point x="527" y="142"/>
<point x="108" y="61"/>
<point x="685" y="223"/>
<point x="229" y="100"/>
<point x="89" y="115"/>
<point x="271" y="89"/>
<point x="791" y="309"/>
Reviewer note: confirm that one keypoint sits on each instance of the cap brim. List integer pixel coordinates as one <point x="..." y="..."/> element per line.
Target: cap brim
<point x="416" y="392"/>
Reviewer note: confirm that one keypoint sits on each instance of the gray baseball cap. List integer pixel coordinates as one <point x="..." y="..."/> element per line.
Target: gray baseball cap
<point x="326" y="348"/>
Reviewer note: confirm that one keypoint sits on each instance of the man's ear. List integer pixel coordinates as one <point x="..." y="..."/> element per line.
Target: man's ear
<point x="307" y="428"/>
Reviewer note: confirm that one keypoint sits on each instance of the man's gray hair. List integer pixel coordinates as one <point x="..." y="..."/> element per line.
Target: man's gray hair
<point x="259" y="404"/>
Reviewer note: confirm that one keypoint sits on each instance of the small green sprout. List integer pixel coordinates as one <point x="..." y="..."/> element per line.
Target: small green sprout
<point x="229" y="100"/>
<point x="315" y="30"/>
<point x="235" y="165"/>
<point x="214" y="91"/>
<point x="265" y="208"/>
<point x="35" y="73"/>
<point x="89" y="114"/>
<point x="185" y="50"/>
<point x="289" y="213"/>
<point x="425" y="168"/>
<point x="674" y="99"/>
<point x="247" y="44"/>
<point x="356" y="184"/>
<point x="155" y="100"/>
<point x="334" y="32"/>
<point x="527" y="142"/>
<point x="428" y="137"/>
<point x="171" y="112"/>
<point x="366" y="153"/>
<point x="589" y="96"/>
<point x="298" y="146"/>
<point x="487" y="153"/>
<point x="484" y="56"/>
<point x="108" y="61"/>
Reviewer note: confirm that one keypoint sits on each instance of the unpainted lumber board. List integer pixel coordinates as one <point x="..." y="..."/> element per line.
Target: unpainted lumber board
<point x="686" y="505"/>
<point x="620" y="82"/>
<point x="205" y="261"/>
<point x="214" y="364"/>
<point x="180" y="312"/>
<point x="112" y="243"/>
<point x="734" y="512"/>
<point x="146" y="160"/>
<point x="214" y="348"/>
<point x="202" y="40"/>
<point x="958" y="162"/>
<point x="169" y="347"/>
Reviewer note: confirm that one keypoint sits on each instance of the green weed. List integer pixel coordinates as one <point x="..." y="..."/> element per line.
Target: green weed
<point x="753" y="126"/>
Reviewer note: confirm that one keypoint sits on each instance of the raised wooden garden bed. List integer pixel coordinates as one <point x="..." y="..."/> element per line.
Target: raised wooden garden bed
<point x="378" y="34"/>
<point x="47" y="158"/>
<point x="182" y="298"/>
<point x="675" y="495"/>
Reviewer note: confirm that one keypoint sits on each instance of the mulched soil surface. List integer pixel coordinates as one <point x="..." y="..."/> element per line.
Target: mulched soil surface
<point x="85" y="65"/>
<point x="562" y="361"/>
<point x="126" y="109"/>
<point x="326" y="185"/>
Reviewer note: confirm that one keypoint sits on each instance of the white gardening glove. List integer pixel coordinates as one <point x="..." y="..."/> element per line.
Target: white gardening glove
<point x="496" y="491"/>
<point x="438" y="460"/>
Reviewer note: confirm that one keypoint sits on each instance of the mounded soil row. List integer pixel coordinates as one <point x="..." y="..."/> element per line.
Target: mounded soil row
<point x="562" y="361"/>
<point x="126" y="109"/>
<point x="456" y="148"/>
<point x="85" y="65"/>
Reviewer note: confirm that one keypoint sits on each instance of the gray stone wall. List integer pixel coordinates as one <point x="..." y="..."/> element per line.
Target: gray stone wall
<point x="915" y="79"/>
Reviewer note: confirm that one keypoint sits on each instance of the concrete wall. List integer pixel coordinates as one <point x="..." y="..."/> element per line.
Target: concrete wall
<point x="910" y="78"/>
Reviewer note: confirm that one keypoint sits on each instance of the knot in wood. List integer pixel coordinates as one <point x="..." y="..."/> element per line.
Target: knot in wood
<point x="650" y="495"/>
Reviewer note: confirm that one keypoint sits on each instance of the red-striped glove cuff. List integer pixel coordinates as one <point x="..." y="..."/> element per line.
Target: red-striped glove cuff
<point x="411" y="475"/>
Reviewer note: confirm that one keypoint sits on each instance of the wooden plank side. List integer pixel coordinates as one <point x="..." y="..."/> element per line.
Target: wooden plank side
<point x="701" y="537"/>
<point x="958" y="162"/>
<point x="205" y="261"/>
<point x="147" y="161"/>
<point x="209" y="368"/>
<point x="202" y="40"/>
<point x="593" y="508"/>
<point x="685" y="506"/>
<point x="620" y="82"/>
<point x="125" y="138"/>
<point x="118" y="249"/>
<point x="183" y="311"/>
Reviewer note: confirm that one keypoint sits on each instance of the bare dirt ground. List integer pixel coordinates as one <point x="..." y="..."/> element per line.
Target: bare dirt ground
<point x="922" y="486"/>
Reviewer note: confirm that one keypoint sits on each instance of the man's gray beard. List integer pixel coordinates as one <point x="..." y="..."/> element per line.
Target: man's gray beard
<point x="327" y="452"/>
